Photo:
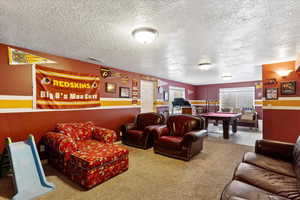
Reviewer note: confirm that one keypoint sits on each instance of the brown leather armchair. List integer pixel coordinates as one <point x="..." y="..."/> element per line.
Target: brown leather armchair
<point x="181" y="138"/>
<point x="138" y="134"/>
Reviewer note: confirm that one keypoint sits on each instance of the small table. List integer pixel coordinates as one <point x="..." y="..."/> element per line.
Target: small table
<point x="226" y="118"/>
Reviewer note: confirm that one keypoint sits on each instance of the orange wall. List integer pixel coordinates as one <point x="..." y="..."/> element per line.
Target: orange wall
<point x="281" y="117"/>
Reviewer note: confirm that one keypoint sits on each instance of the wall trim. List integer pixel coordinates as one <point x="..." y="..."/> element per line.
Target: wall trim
<point x="281" y="107"/>
<point x="15" y="97"/>
<point x="25" y="110"/>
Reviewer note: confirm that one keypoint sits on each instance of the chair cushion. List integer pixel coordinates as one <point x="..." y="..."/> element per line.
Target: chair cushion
<point x="247" y="116"/>
<point x="170" y="142"/>
<point x="237" y="190"/>
<point x="269" y="163"/>
<point x="94" y="155"/>
<point x="273" y="182"/>
<point x="87" y="145"/>
<point x="78" y="131"/>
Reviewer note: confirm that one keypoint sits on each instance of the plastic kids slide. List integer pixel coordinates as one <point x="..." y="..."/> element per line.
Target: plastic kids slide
<point x="29" y="178"/>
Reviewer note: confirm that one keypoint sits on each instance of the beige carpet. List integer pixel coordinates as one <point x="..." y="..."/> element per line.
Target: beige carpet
<point x="152" y="176"/>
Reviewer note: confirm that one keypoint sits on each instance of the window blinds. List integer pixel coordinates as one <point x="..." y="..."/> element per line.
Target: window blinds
<point x="242" y="97"/>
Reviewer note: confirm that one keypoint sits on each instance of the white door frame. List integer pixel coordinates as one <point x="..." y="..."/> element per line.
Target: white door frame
<point x="152" y="95"/>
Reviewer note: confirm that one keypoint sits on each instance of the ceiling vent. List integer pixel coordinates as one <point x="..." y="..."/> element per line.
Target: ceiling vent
<point x="93" y="59"/>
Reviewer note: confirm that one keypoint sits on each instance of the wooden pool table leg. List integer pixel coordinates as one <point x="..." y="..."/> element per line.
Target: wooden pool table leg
<point x="206" y="123"/>
<point x="234" y="126"/>
<point x="226" y="129"/>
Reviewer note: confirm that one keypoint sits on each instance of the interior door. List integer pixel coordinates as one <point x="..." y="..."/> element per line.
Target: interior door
<point x="147" y="96"/>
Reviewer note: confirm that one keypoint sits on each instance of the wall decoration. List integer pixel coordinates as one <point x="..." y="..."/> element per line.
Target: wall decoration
<point x="166" y="96"/>
<point x="105" y="72"/>
<point x="17" y="57"/>
<point x="124" y="92"/>
<point x="270" y="81"/>
<point x="190" y="92"/>
<point x="148" y="78"/>
<point x="110" y="87"/>
<point x="135" y="91"/>
<point x="259" y="85"/>
<point x="161" y="83"/>
<point x="59" y="89"/>
<point x="108" y="73"/>
<point x="288" y="88"/>
<point x="271" y="93"/>
<point x="124" y="78"/>
<point x="160" y="90"/>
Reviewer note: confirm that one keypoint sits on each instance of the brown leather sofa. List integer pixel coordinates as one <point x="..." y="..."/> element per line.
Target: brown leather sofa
<point x="181" y="138"/>
<point x="271" y="173"/>
<point x="138" y="134"/>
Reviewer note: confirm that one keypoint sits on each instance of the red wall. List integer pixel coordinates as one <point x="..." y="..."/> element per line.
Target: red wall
<point x="211" y="92"/>
<point x="16" y="80"/>
<point x="281" y="124"/>
<point x="19" y="125"/>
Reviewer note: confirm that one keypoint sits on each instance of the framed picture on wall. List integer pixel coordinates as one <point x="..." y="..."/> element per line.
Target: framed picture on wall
<point x="271" y="93"/>
<point x="166" y="96"/>
<point x="287" y="88"/>
<point x="124" y="92"/>
<point x="110" y="87"/>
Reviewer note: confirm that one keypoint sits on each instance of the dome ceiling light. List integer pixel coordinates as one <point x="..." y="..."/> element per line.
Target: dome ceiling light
<point x="204" y="66"/>
<point x="226" y="76"/>
<point x="145" y="35"/>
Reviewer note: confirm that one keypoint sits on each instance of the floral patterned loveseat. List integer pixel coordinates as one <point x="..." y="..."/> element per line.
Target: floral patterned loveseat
<point x="85" y="153"/>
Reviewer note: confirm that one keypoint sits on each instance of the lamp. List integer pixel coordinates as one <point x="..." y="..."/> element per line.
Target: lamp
<point x="283" y="73"/>
<point x="204" y="66"/>
<point x="226" y="76"/>
<point x="145" y="35"/>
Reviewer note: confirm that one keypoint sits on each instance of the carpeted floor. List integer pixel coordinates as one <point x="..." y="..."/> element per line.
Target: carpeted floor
<point x="152" y="176"/>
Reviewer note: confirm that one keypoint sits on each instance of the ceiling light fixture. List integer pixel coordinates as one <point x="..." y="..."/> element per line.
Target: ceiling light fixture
<point x="145" y="35"/>
<point x="283" y="73"/>
<point x="226" y="76"/>
<point x="204" y="66"/>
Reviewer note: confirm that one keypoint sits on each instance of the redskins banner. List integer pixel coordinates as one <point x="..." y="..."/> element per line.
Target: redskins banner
<point x="59" y="89"/>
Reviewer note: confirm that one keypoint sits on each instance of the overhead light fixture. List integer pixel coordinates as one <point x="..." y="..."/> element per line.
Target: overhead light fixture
<point x="283" y="73"/>
<point x="145" y="35"/>
<point x="204" y="66"/>
<point x="226" y="76"/>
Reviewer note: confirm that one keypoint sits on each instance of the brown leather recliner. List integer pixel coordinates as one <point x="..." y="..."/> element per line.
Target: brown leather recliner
<point x="271" y="172"/>
<point x="138" y="134"/>
<point x="181" y="138"/>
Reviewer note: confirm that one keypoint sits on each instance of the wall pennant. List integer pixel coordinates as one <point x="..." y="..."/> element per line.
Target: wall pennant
<point x="17" y="57"/>
<point x="105" y="72"/>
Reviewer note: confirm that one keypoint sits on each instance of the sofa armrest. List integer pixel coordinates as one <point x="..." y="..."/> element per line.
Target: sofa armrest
<point x="60" y="143"/>
<point x="105" y="135"/>
<point x="160" y="130"/>
<point x="127" y="127"/>
<point x="193" y="136"/>
<point x="275" y="149"/>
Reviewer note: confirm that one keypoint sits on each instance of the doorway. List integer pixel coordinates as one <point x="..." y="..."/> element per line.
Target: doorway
<point x="175" y="92"/>
<point x="147" y="96"/>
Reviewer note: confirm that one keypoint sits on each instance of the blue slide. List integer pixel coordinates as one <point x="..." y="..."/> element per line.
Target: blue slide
<point x="29" y="178"/>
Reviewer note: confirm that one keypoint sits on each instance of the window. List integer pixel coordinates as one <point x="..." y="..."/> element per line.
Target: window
<point x="242" y="97"/>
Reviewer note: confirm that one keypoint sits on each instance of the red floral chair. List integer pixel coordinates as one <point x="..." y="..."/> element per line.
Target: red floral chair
<point x="85" y="153"/>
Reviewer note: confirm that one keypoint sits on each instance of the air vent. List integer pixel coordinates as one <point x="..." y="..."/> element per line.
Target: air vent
<point x="95" y="59"/>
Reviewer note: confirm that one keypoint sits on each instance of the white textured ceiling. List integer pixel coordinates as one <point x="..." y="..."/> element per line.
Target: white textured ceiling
<point x="237" y="35"/>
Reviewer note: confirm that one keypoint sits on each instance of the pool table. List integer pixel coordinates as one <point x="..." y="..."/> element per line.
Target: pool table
<point x="227" y="118"/>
